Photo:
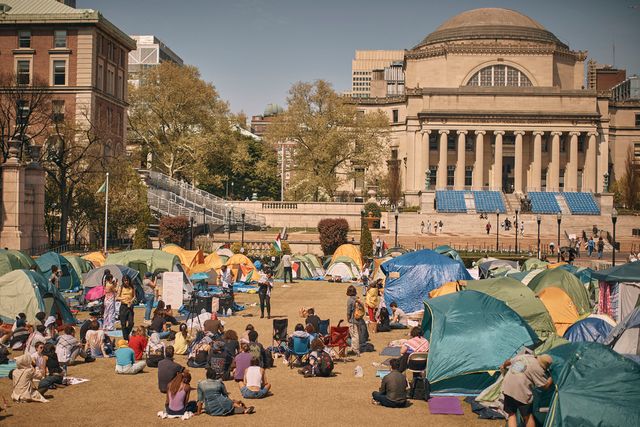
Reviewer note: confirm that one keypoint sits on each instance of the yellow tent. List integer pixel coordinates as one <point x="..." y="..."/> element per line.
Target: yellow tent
<point x="242" y="268"/>
<point x="188" y="259"/>
<point x="240" y="259"/>
<point x="448" y="288"/>
<point x="350" y="251"/>
<point x="95" y="258"/>
<point x="561" y="308"/>
<point x="556" y="264"/>
<point x="211" y="262"/>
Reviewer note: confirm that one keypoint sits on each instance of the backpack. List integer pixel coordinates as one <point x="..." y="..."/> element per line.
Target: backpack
<point x="358" y="310"/>
<point x="325" y="364"/>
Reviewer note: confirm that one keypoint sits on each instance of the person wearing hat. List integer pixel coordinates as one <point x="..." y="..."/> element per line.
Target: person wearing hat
<point x="149" y="288"/>
<point x="525" y="372"/>
<point x="126" y="360"/>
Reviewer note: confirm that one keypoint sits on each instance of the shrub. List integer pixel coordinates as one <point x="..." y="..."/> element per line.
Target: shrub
<point x="141" y="236"/>
<point x="174" y="230"/>
<point x="366" y="242"/>
<point x="333" y="233"/>
<point x="375" y="211"/>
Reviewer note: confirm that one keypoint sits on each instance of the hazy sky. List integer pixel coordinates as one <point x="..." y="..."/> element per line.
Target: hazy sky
<point x="254" y="50"/>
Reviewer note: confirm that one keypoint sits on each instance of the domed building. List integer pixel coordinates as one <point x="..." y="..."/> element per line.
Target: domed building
<point x="495" y="101"/>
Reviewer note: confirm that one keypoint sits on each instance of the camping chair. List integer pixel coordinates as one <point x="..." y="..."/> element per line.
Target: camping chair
<point x="279" y="332"/>
<point x="416" y="365"/>
<point x="338" y="338"/>
<point x="323" y="327"/>
<point x="300" y="350"/>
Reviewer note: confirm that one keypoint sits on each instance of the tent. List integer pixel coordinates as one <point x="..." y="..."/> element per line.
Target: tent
<point x="299" y="269"/>
<point x="520" y="299"/>
<point x="315" y="264"/>
<point x="377" y="271"/>
<point x="560" y="278"/>
<point x="343" y="267"/>
<point x="487" y="268"/>
<point x="69" y="279"/>
<point x="210" y="262"/>
<point x="525" y="277"/>
<point x="96" y="258"/>
<point x="28" y="292"/>
<point x="560" y="307"/>
<point x="25" y="260"/>
<point x="625" y="338"/>
<point x="242" y="268"/>
<point x="350" y="251"/>
<point x="410" y="277"/>
<point x="534" y="263"/>
<point x="188" y="259"/>
<point x="9" y="262"/>
<point x="448" y="288"/>
<point x="590" y="329"/>
<point x="593" y="386"/>
<point x="94" y="277"/>
<point x="619" y="289"/>
<point x="447" y="250"/>
<point x="394" y="252"/>
<point x="80" y="265"/>
<point x="224" y="252"/>
<point x="471" y="334"/>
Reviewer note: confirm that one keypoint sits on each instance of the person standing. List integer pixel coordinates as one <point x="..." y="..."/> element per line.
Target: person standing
<point x="127" y="298"/>
<point x="591" y="245"/>
<point x="552" y="247"/>
<point x="600" y="247"/>
<point x="435" y="227"/>
<point x="355" y="315"/>
<point x="422" y="227"/>
<point x="149" y="288"/>
<point x="429" y="226"/>
<point x="110" y="285"/>
<point x="378" y="247"/>
<point x="577" y="255"/>
<point x="54" y="279"/>
<point x="225" y="277"/>
<point x="488" y="227"/>
<point x="286" y="263"/>
<point x="522" y="228"/>
<point x="264" y="291"/>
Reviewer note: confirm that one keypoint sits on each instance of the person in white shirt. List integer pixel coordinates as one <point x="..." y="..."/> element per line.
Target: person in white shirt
<point x="225" y="277"/>
<point x="254" y="384"/>
<point x="286" y="264"/>
<point x="399" y="319"/>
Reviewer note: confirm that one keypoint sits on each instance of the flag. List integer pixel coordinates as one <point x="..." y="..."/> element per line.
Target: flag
<point x="102" y="188"/>
<point x="277" y="245"/>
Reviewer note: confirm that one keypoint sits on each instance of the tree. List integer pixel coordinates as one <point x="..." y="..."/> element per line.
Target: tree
<point x="331" y="137"/>
<point x="178" y="117"/>
<point x="393" y="180"/>
<point x="333" y="233"/>
<point x="628" y="186"/>
<point x="366" y="242"/>
<point x="174" y="229"/>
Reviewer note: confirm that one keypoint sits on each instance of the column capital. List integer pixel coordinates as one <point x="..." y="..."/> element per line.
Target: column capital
<point x="427" y="131"/>
<point x="443" y="131"/>
<point x="519" y="132"/>
<point x="481" y="132"/>
<point x="538" y="133"/>
<point x="498" y="132"/>
<point x="461" y="132"/>
<point x="574" y="133"/>
<point x="592" y="133"/>
<point x="556" y="133"/>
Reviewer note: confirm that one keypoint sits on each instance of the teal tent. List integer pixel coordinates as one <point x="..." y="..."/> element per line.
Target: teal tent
<point x="8" y="263"/>
<point x="69" y="279"/>
<point x="471" y="335"/>
<point x="593" y="386"/>
<point x="80" y="265"/>
<point x="26" y="262"/>
<point x="447" y="250"/>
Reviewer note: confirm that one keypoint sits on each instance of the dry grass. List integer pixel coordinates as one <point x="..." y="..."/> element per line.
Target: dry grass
<point x="113" y="400"/>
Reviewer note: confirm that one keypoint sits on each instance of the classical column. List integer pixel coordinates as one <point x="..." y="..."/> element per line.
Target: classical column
<point x="460" y="166"/>
<point x="553" y="176"/>
<point x="417" y="162"/>
<point x="411" y="162"/>
<point x="497" y="165"/>
<point x="478" y="167"/>
<point x="589" y="171"/>
<point x="602" y="163"/>
<point x="536" y="165"/>
<point x="518" y="172"/>
<point x="424" y="159"/>
<point x="441" y="179"/>
<point x="571" y="169"/>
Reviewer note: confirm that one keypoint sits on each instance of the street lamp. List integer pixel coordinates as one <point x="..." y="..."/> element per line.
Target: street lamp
<point x="539" y="220"/>
<point x="614" y="219"/>
<point x="204" y="219"/>
<point x="396" y="214"/>
<point x="559" y="218"/>
<point x="516" y="227"/>
<point x="191" y="232"/>
<point x="229" y="222"/>
<point x="242" y="214"/>
<point x="497" y="228"/>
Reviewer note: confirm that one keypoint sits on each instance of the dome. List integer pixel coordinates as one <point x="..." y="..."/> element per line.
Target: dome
<point x="490" y="23"/>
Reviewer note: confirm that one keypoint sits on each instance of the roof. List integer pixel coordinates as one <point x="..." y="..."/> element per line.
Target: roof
<point x="490" y="23"/>
<point x="51" y="11"/>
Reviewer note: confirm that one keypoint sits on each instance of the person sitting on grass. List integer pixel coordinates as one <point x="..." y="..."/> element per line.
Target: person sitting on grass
<point x="38" y="336"/>
<point x="177" y="402"/>
<point x="245" y="335"/>
<point x="155" y="350"/>
<point x="94" y="341"/>
<point x="254" y="385"/>
<point x="320" y="361"/>
<point x="213" y="398"/>
<point x="231" y="349"/>
<point x="399" y="319"/>
<point x="384" y="321"/>
<point x="393" y="389"/>
<point x="182" y="341"/>
<point x="138" y="341"/>
<point x="167" y="370"/>
<point x="241" y="362"/>
<point x="255" y="348"/>
<point x="22" y="376"/>
<point x="313" y="319"/>
<point x="69" y="348"/>
<point x="126" y="360"/>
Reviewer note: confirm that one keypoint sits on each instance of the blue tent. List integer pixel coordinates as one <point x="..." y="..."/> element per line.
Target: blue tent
<point x="69" y="279"/>
<point x="410" y="277"/>
<point x="591" y="329"/>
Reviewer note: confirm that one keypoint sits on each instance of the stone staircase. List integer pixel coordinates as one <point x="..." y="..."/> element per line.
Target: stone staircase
<point x="564" y="208"/>
<point x="470" y="203"/>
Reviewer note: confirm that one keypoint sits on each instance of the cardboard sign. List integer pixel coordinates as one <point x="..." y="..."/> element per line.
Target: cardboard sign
<point x="172" y="289"/>
<point x="394" y="275"/>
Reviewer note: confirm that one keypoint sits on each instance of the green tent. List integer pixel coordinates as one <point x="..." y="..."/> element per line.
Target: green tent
<point x="593" y="386"/>
<point x="471" y="334"/>
<point x="80" y="265"/>
<point x="520" y="299"/>
<point x="315" y="264"/>
<point x="534" y="263"/>
<point x="8" y="263"/>
<point x="300" y="269"/>
<point x="28" y="292"/>
<point x="69" y="279"/>
<point x="524" y="276"/>
<point x="25" y="260"/>
<point x="143" y="260"/>
<point x="560" y="278"/>
<point x="447" y="250"/>
<point x="344" y="267"/>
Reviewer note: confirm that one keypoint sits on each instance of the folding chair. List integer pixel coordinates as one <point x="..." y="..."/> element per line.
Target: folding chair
<point x="280" y="332"/>
<point x="338" y="338"/>
<point x="301" y="349"/>
<point x="323" y="327"/>
<point x="416" y="365"/>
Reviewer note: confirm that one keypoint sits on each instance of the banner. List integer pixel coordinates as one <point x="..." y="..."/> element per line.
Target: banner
<point x="172" y="283"/>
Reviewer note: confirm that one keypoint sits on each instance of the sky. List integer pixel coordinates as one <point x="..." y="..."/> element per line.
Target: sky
<point x="253" y="50"/>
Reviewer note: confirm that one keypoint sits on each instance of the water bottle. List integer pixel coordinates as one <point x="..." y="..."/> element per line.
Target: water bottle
<point x="358" y="372"/>
<point x="229" y="312"/>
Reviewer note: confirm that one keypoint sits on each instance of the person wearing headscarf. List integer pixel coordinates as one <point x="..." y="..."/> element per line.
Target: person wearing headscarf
<point x="126" y="360"/>
<point x="155" y="350"/>
<point x="23" y="388"/>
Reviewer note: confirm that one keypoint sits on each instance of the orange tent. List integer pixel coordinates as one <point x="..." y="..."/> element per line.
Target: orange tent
<point x="210" y="262"/>
<point x="95" y="258"/>
<point x="188" y="259"/>
<point x="448" y="288"/>
<point x="350" y="251"/>
<point x="561" y="308"/>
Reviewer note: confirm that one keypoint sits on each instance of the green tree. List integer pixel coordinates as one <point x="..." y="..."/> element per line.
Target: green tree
<point x="331" y="137"/>
<point x="366" y="242"/>
<point x="333" y="233"/>
<point x="627" y="188"/>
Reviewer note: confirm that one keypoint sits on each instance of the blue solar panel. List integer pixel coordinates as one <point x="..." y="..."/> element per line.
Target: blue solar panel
<point x="544" y="202"/>
<point x="581" y="203"/>
<point x="489" y="201"/>
<point x="450" y="201"/>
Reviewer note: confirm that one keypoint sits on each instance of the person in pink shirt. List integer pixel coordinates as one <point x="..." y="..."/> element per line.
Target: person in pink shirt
<point x="416" y="344"/>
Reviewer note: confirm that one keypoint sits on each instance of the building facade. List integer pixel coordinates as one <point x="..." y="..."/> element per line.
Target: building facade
<point x="150" y="51"/>
<point x="495" y="101"/>
<point x="363" y="65"/>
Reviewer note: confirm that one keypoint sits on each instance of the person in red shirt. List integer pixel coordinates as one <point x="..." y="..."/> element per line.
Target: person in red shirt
<point x="138" y="341"/>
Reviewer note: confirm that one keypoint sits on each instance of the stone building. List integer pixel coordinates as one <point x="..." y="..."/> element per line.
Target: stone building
<point x="494" y="101"/>
<point x="363" y="66"/>
<point x="150" y="52"/>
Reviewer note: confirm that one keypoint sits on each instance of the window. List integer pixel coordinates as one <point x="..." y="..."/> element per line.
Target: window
<point x="468" y="176"/>
<point x="395" y="116"/>
<point x="468" y="145"/>
<point x="545" y="146"/>
<point x="100" y="76"/>
<point x="60" y="39"/>
<point x="433" y="141"/>
<point x="433" y="175"/>
<point x="563" y="144"/>
<point x="58" y="111"/>
<point x="636" y="153"/>
<point x="638" y="120"/>
<point x="110" y="81"/>
<point x="581" y="142"/>
<point x="120" y="87"/>
<point x="24" y="39"/>
<point x="499" y="75"/>
<point x="23" y="72"/>
<point x="451" y="172"/>
<point x="22" y="112"/>
<point x="359" y="179"/>
<point x="451" y="142"/>
<point x="59" y="73"/>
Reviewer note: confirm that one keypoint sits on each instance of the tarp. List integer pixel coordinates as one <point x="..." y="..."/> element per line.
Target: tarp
<point x="188" y="258"/>
<point x="629" y="272"/>
<point x="410" y="277"/>
<point x="343" y="267"/>
<point x="210" y="262"/>
<point x="520" y="299"/>
<point x="28" y="292"/>
<point x="350" y="251"/>
<point x="534" y="263"/>
<point x="8" y="263"/>
<point x="95" y="258"/>
<point x="593" y="386"/>
<point x="590" y="329"/>
<point x="625" y="338"/>
<point x="566" y="281"/>
<point x="80" y="265"/>
<point x="25" y="260"/>
<point x="447" y="250"/>
<point x="471" y="334"/>
<point x="69" y="279"/>
<point x="560" y="307"/>
<point x="486" y="268"/>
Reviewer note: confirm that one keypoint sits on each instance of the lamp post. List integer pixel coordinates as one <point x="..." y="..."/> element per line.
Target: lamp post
<point x="516" y="227"/>
<point x="204" y="219"/>
<point x="497" y="228"/>
<point x="559" y="218"/>
<point x="242" y="214"/>
<point x="191" y="232"/>
<point x="396" y="214"/>
<point x="614" y="219"/>
<point x="229" y="223"/>
<point x="539" y="220"/>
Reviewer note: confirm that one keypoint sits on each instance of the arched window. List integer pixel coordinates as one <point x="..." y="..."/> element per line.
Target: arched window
<point x="499" y="75"/>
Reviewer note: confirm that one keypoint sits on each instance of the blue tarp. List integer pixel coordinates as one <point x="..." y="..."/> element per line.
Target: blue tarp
<point x="590" y="329"/>
<point x="411" y="276"/>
